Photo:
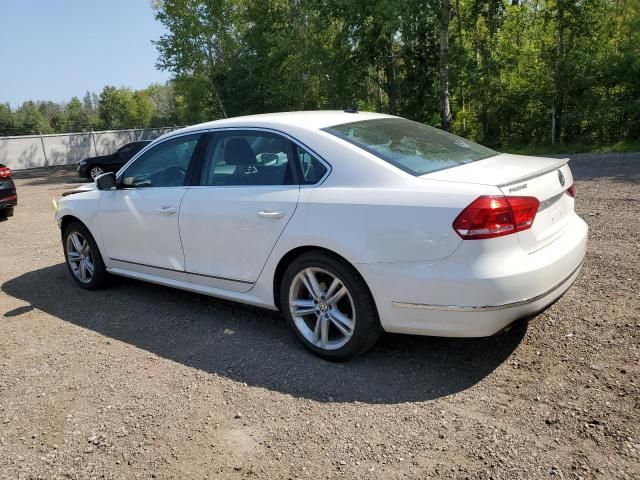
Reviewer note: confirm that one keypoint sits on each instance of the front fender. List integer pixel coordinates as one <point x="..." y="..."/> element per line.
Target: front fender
<point x="84" y="206"/>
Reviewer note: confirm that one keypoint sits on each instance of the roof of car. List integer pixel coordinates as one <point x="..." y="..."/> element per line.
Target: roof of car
<point x="311" y="120"/>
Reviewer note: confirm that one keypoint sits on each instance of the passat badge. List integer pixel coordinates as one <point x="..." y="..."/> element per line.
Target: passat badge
<point x="561" y="178"/>
<point x="519" y="187"/>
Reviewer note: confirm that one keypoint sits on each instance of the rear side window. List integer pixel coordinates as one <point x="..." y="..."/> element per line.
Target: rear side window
<point x="411" y="146"/>
<point x="311" y="168"/>
<point x="246" y="159"/>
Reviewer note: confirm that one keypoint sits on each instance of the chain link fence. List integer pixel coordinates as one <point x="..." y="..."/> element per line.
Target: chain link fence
<point x="33" y="151"/>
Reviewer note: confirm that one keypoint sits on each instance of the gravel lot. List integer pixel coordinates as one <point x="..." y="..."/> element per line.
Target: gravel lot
<point x="141" y="381"/>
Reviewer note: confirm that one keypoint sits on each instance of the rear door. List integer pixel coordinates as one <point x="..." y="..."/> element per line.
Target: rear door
<point x="244" y="197"/>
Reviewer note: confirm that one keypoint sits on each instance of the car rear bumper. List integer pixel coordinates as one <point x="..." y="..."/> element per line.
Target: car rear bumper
<point x="477" y="291"/>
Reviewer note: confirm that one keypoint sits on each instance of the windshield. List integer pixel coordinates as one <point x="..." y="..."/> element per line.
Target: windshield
<point x="411" y="146"/>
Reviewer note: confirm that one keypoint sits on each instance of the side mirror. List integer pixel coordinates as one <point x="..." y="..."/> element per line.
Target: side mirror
<point x="106" y="181"/>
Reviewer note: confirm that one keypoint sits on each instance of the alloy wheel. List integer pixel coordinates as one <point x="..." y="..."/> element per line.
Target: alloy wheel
<point x="96" y="172"/>
<point x="80" y="257"/>
<point x="322" y="308"/>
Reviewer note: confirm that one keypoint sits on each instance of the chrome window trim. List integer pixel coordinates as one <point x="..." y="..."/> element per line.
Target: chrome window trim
<point x="223" y="129"/>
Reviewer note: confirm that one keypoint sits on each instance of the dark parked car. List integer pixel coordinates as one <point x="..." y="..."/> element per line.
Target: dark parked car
<point x="92" y="167"/>
<point x="8" y="195"/>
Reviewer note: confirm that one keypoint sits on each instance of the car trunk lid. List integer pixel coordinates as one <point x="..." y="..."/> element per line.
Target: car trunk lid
<point x="546" y="179"/>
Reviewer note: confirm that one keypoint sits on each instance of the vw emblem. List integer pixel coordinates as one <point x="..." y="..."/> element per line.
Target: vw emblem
<point x="561" y="178"/>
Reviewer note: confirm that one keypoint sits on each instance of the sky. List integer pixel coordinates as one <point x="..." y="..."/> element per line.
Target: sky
<point x="54" y="50"/>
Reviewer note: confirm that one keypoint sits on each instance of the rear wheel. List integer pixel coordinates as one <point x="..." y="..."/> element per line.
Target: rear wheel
<point x="83" y="257"/>
<point x="6" y="213"/>
<point x="329" y="307"/>
<point x="96" y="171"/>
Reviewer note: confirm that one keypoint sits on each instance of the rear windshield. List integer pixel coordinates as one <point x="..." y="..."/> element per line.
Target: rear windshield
<point x="411" y="146"/>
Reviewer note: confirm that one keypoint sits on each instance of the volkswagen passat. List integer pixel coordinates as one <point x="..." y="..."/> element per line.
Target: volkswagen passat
<point x="349" y="223"/>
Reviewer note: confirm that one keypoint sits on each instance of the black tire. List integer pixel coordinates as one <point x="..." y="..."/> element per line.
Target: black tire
<point x="367" y="328"/>
<point x="99" y="276"/>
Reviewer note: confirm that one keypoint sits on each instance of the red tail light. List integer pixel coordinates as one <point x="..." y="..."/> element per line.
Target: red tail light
<point x="572" y="190"/>
<point x="494" y="216"/>
<point x="5" y="172"/>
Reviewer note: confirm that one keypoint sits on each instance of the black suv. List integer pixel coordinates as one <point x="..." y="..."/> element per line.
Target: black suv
<point x="8" y="195"/>
<point x="91" y="167"/>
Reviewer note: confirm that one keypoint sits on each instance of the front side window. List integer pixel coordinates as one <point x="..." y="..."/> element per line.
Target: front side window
<point x="165" y="165"/>
<point x="311" y="168"/>
<point x="246" y="158"/>
<point x="411" y="146"/>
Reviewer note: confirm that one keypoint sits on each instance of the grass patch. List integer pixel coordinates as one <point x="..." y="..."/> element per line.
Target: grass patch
<point x="624" y="146"/>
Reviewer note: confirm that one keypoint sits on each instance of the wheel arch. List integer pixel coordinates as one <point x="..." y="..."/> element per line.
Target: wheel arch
<point x="294" y="253"/>
<point x="70" y="218"/>
<point x="67" y="219"/>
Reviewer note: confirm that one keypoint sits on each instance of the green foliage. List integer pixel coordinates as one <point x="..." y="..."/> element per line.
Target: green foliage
<point x="520" y="71"/>
<point x="121" y="108"/>
<point x="7" y="120"/>
<point x="31" y="118"/>
<point x="114" y="108"/>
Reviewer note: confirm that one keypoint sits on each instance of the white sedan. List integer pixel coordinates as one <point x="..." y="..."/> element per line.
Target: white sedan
<point x="349" y="223"/>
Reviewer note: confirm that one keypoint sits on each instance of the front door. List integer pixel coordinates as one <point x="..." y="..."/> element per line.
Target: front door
<point x="232" y="217"/>
<point x="139" y="220"/>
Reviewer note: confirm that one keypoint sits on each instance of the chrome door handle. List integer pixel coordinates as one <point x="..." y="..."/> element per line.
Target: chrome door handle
<point x="271" y="213"/>
<point x="167" y="210"/>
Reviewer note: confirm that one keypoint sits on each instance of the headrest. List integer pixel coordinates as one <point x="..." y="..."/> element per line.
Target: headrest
<point x="239" y="152"/>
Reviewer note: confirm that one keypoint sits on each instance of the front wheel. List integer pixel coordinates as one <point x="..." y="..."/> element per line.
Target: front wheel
<point x="83" y="257"/>
<point x="329" y="307"/>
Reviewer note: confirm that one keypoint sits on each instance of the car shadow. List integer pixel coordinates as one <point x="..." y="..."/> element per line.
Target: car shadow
<point x="254" y="346"/>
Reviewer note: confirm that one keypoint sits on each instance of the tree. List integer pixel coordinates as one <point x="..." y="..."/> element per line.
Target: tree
<point x="77" y="117"/>
<point x="445" y="109"/>
<point x="200" y="42"/>
<point x="503" y="72"/>
<point x="7" y="120"/>
<point x="120" y="108"/>
<point x="30" y="119"/>
<point x="164" y="104"/>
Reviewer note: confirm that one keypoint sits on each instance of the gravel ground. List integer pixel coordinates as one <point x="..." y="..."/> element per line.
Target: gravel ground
<point x="141" y="381"/>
